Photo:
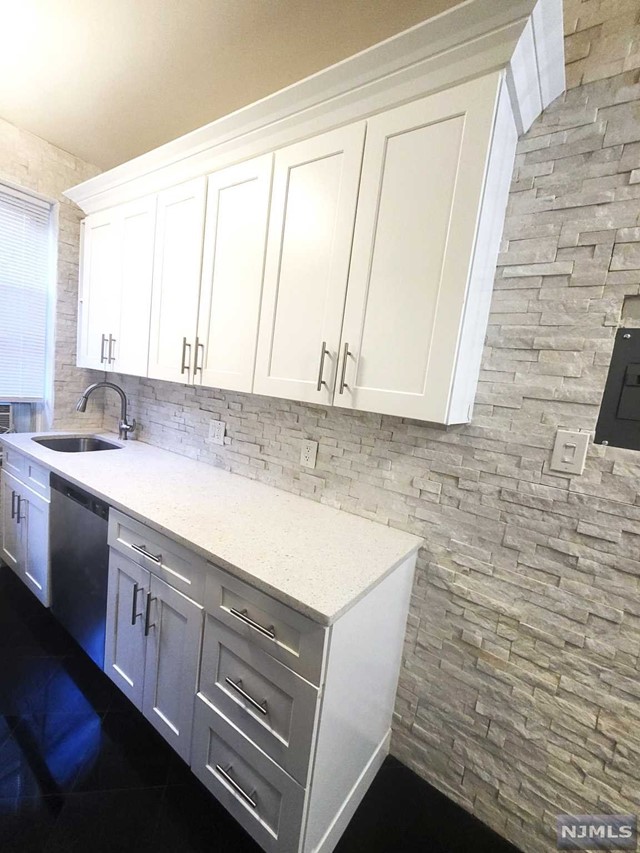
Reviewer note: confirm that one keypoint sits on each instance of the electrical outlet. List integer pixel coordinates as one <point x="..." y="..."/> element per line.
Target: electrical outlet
<point x="569" y="451"/>
<point x="216" y="432"/>
<point x="308" y="453"/>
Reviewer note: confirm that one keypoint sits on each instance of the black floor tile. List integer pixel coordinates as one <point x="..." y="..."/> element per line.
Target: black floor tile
<point x="128" y="753"/>
<point x="191" y="818"/>
<point x="26" y="822"/>
<point x="82" y="771"/>
<point x="402" y="812"/>
<point x="105" y="822"/>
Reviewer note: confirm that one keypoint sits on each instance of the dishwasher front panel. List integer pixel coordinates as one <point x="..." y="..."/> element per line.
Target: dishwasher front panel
<point x="79" y="565"/>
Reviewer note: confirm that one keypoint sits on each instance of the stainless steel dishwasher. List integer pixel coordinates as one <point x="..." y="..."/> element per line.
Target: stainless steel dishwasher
<point x="79" y="564"/>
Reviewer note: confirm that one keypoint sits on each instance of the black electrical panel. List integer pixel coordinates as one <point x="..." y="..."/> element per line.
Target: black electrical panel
<point x="619" y="419"/>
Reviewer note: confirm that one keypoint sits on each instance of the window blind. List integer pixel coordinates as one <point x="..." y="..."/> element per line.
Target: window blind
<point x="25" y="270"/>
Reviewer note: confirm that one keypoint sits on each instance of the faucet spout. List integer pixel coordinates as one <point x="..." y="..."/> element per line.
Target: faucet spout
<point x="124" y="427"/>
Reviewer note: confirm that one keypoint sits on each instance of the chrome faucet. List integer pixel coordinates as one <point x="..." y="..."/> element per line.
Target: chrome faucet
<point x="124" y="427"/>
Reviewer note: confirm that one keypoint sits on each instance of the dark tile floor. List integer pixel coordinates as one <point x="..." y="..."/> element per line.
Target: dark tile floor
<point x="82" y="770"/>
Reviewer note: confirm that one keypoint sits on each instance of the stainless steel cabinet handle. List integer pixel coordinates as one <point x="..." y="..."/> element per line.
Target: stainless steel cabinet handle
<point x="103" y="357"/>
<point x="198" y="367"/>
<point x="134" y="604"/>
<point x="157" y="558"/>
<point x="184" y="368"/>
<point x="263" y="706"/>
<point x="147" y="615"/>
<point x="13" y="504"/>
<point x="323" y="352"/>
<point x="19" y="517"/>
<point x="242" y="616"/>
<point x="247" y="797"/>
<point x="345" y="356"/>
<point x="112" y="341"/>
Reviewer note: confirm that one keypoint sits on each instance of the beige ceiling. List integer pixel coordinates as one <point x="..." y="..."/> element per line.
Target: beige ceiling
<point x="110" y="79"/>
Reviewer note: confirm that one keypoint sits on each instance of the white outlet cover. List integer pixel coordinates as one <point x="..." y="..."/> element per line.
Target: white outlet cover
<point x="216" y="432"/>
<point x="570" y="451"/>
<point x="308" y="453"/>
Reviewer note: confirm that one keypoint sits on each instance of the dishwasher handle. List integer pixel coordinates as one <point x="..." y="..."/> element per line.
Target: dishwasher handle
<point x="76" y="495"/>
<point x="79" y="496"/>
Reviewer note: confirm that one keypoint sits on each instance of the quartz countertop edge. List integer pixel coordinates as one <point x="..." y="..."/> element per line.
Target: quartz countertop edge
<point x="317" y="559"/>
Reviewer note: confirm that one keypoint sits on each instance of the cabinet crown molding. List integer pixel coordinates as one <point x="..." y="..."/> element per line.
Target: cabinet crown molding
<point x="522" y="37"/>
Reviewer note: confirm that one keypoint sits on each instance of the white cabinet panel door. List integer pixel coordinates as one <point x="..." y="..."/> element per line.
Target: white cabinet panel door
<point x="315" y="190"/>
<point x="176" y="281"/>
<point x="10" y="491"/>
<point x="99" y="304"/>
<point x="422" y="183"/>
<point x="173" y="652"/>
<point x="125" y="645"/>
<point x="34" y="533"/>
<point x="130" y="350"/>
<point x="233" y="266"/>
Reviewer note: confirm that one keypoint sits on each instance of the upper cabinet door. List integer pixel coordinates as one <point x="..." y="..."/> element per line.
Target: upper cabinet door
<point x="233" y="266"/>
<point x="130" y="344"/>
<point x="315" y="189"/>
<point x="422" y="183"/>
<point x="99" y="304"/>
<point x="176" y="281"/>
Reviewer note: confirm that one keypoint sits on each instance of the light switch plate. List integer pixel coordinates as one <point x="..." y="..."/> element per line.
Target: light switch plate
<point x="308" y="453"/>
<point x="216" y="432"/>
<point x="570" y="451"/>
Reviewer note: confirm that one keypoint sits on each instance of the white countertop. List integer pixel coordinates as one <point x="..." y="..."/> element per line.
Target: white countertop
<point x="312" y="557"/>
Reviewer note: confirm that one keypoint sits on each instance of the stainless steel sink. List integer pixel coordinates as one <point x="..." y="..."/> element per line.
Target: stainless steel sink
<point x="76" y="443"/>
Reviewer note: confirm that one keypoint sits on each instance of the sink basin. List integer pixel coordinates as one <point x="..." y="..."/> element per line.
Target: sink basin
<point x="76" y="443"/>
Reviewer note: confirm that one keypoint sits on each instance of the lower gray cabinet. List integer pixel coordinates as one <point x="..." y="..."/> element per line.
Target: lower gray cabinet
<point x="153" y="648"/>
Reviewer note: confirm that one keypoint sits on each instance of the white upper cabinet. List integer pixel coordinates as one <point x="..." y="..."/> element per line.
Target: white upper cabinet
<point x="115" y="291"/>
<point x="176" y="281"/>
<point x="381" y="186"/>
<point x="99" y="302"/>
<point x="422" y="184"/>
<point x="130" y="350"/>
<point x="315" y="190"/>
<point x="232" y="271"/>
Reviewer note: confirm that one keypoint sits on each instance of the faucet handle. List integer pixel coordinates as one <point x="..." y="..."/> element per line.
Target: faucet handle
<point x="125" y="428"/>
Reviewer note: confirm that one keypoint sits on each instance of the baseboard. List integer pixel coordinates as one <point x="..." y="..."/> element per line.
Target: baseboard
<point x="353" y="800"/>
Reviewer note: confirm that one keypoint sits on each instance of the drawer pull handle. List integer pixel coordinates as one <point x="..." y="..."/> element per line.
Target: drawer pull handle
<point x="13" y="504"/>
<point x="247" y="797"/>
<point x="147" y="615"/>
<point x="262" y="707"/>
<point x="157" y="558"/>
<point x="242" y="616"/>
<point x="134" y="602"/>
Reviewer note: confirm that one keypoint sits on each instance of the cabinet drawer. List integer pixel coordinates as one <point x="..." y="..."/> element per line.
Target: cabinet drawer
<point x="179" y="567"/>
<point x="31" y="473"/>
<point x="13" y="462"/>
<point x="268" y="702"/>
<point x="280" y="631"/>
<point x="36" y="477"/>
<point x="265" y="800"/>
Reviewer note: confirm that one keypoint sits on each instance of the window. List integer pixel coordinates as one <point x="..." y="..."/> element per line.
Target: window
<point x="25" y="273"/>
